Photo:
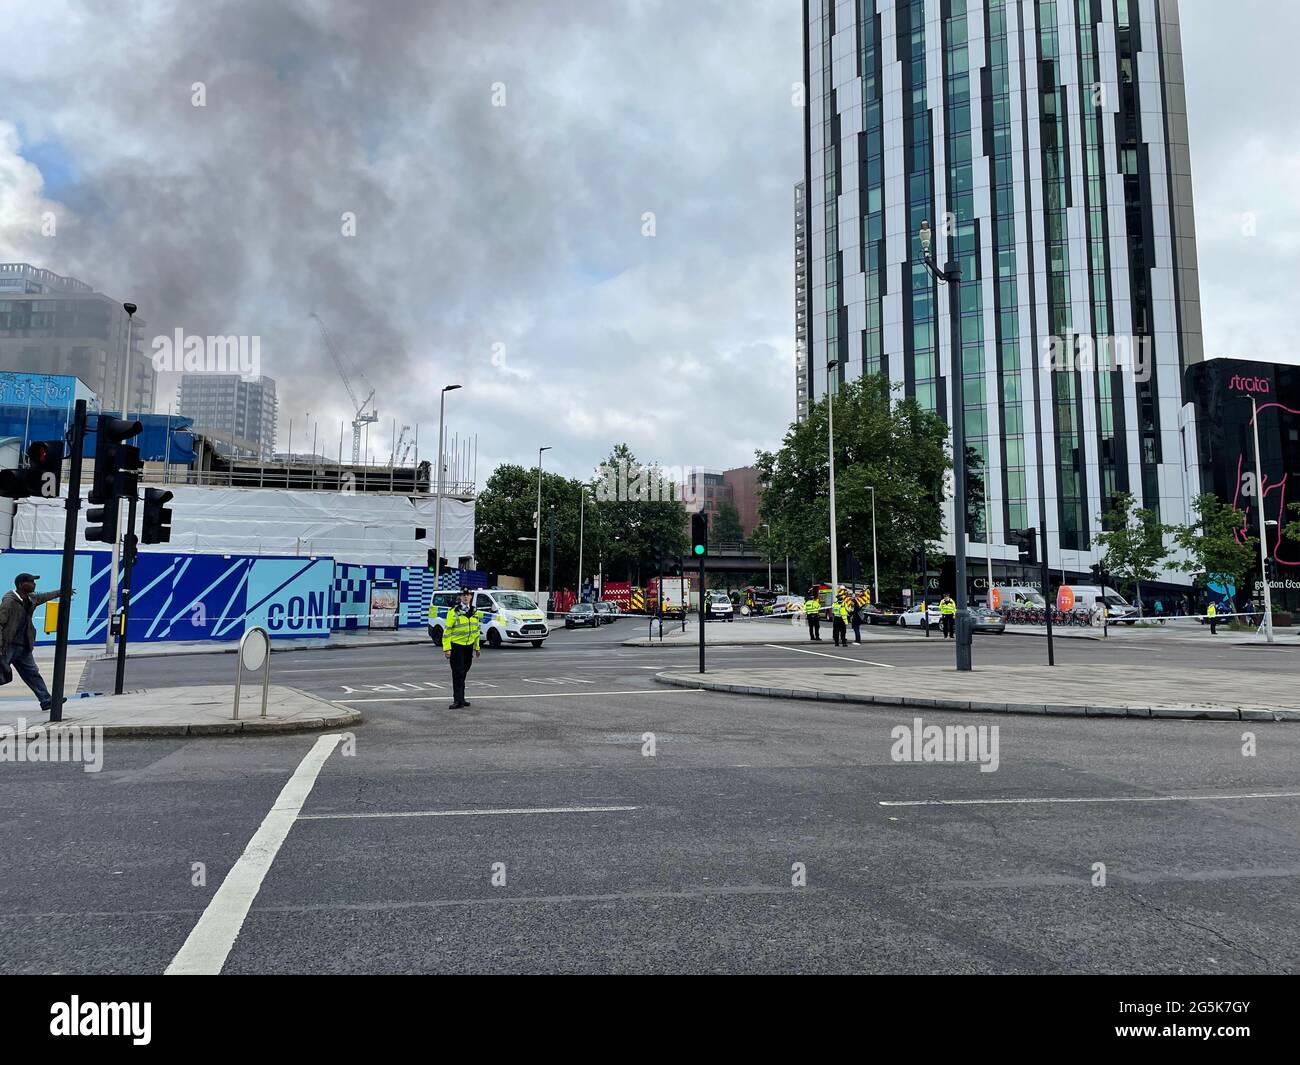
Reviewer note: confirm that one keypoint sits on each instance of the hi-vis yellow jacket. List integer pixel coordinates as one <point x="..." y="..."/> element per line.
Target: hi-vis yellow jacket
<point x="811" y="607"/>
<point x="461" y="629"/>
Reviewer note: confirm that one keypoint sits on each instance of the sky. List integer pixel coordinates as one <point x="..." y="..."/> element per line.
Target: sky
<point x="579" y="210"/>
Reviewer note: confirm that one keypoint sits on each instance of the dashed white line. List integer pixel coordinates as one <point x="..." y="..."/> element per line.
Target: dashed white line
<point x="208" y="945"/>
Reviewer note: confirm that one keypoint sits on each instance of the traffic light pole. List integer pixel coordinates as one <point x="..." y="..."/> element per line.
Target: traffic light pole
<point x="701" y="612"/>
<point x="128" y="557"/>
<point x="1047" y="600"/>
<point x="69" y="557"/>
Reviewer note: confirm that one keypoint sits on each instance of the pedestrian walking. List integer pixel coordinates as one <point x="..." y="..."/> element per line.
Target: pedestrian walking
<point x="460" y="644"/>
<point x="839" y="622"/>
<point x="855" y="619"/>
<point x="18" y="635"/>
<point x="812" y="611"/>
<point x="948" y="616"/>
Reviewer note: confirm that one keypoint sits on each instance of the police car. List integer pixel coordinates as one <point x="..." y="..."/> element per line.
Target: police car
<point x="508" y="616"/>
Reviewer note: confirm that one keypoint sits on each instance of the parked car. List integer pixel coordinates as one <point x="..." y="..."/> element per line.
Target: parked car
<point x="717" y="605"/>
<point x="912" y="616"/>
<point x="607" y="612"/>
<point x="582" y="614"/>
<point x="985" y="620"/>
<point x="882" y="615"/>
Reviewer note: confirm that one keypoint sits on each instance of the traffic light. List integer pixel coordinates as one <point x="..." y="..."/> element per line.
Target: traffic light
<point x="112" y="457"/>
<point x="156" y="524"/>
<point x="41" y="475"/>
<point x="1027" y="539"/>
<point x="112" y="454"/>
<point x="699" y="534"/>
<point x="101" y="522"/>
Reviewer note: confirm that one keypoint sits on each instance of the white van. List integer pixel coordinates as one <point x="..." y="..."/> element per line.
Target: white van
<point x="509" y="616"/>
<point x="1117" y="607"/>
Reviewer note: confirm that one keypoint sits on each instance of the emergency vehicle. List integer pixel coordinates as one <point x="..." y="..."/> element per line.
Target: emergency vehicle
<point x="509" y="616"/>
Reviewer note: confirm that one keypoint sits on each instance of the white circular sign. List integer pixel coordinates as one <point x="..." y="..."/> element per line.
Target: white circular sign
<point x="254" y="648"/>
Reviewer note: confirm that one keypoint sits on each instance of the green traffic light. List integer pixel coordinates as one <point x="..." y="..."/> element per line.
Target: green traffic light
<point x="699" y="549"/>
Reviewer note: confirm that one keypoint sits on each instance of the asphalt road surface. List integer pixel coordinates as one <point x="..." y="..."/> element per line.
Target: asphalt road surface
<point x="580" y="818"/>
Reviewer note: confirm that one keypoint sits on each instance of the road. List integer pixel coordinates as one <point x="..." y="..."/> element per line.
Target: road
<point x="580" y="818"/>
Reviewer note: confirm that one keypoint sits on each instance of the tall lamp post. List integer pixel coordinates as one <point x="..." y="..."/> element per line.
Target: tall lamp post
<point x="767" y="544"/>
<point x="582" y="520"/>
<point x="1263" y="527"/>
<point x="437" y="519"/>
<point x="537" y="522"/>
<point x="875" y="568"/>
<point x="950" y="275"/>
<point x="830" y="439"/>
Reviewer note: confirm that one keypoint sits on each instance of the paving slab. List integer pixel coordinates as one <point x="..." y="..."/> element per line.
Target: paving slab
<point x="192" y="710"/>
<point x="1147" y="690"/>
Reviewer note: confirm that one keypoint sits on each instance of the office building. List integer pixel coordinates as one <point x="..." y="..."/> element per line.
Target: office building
<point x="54" y="325"/>
<point x="239" y="415"/>
<point x="1045" y="142"/>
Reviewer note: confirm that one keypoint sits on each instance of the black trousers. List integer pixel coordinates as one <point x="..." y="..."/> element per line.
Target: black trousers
<point x="857" y="631"/>
<point x="814" y="627"/>
<point x="839" y="633"/>
<point x="1213" y="622"/>
<point x="462" y="657"/>
<point x="947" y="621"/>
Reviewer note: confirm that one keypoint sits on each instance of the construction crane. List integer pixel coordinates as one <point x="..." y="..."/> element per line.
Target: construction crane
<point x="405" y="442"/>
<point x="362" y="417"/>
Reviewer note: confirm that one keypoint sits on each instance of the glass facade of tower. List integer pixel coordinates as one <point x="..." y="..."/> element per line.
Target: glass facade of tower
<point x="1045" y="143"/>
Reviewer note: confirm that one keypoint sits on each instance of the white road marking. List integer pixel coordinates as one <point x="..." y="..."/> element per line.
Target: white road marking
<point x="823" y="654"/>
<point x="530" y="695"/>
<point x="208" y="945"/>
<point x="472" y="813"/>
<point x="1116" y="798"/>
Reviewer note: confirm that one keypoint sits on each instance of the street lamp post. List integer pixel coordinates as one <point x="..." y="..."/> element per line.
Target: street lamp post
<point x="1263" y="527"/>
<point x="767" y="544"/>
<point x="830" y="439"/>
<point x="537" y="522"/>
<point x="950" y="275"/>
<point x="582" y="519"/>
<point x="875" y="568"/>
<point x="437" y="519"/>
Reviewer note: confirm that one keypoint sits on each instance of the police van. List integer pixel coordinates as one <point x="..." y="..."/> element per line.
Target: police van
<point x="508" y="616"/>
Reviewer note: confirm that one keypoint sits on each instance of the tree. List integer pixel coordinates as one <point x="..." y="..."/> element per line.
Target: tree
<point x="639" y="514"/>
<point x="1220" y="550"/>
<point x="1292" y="530"/>
<point x="1134" y="541"/>
<point x="725" y="525"/>
<point x="881" y="441"/>
<point x="504" y="530"/>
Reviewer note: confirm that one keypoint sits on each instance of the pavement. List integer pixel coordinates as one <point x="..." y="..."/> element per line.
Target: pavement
<point x="187" y="710"/>
<point x="1123" y="690"/>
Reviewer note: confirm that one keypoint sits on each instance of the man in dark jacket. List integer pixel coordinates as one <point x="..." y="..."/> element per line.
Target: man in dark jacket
<point x="18" y="634"/>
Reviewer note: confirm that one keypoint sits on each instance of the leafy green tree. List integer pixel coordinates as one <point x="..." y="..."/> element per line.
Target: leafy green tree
<point x="881" y="441"/>
<point x="1217" y="542"/>
<point x="725" y="525"/>
<point x="1134" y="542"/>
<point x="639" y="514"/>
<point x="504" y="529"/>
<point x="1292" y="530"/>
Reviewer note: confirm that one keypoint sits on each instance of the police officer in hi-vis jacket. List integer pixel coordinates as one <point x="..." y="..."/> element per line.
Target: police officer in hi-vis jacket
<point x="460" y="644"/>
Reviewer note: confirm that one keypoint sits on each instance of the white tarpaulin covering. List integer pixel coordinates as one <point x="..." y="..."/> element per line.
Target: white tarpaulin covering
<point x="359" y="527"/>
